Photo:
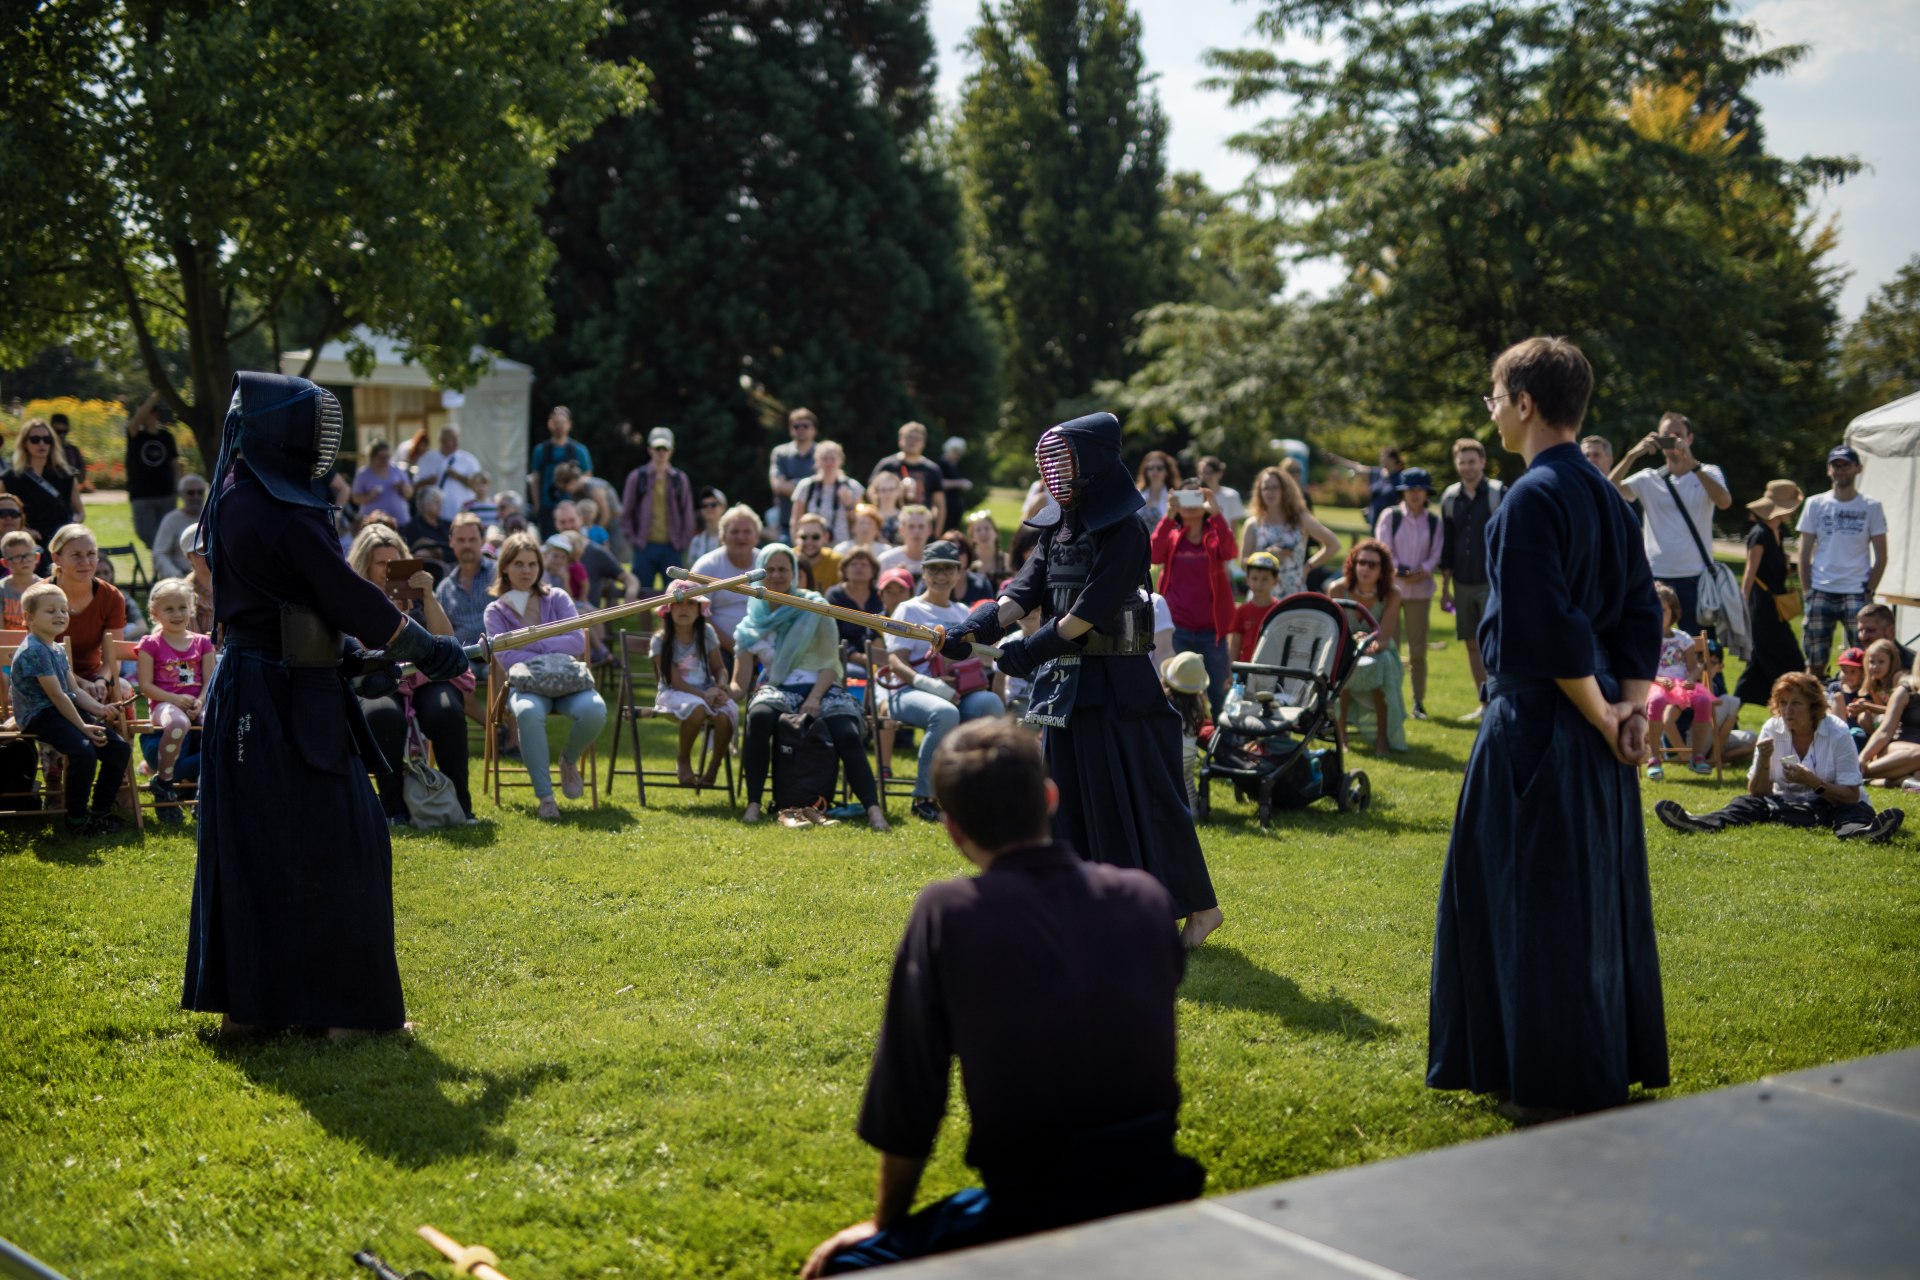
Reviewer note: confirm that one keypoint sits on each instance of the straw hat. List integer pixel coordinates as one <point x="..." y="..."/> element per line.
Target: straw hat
<point x="1783" y="498"/>
<point x="1185" y="673"/>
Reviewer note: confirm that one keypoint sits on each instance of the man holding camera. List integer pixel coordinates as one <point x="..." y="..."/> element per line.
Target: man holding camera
<point x="1677" y="499"/>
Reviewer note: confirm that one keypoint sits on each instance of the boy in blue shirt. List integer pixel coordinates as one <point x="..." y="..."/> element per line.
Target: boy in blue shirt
<point x="47" y="705"/>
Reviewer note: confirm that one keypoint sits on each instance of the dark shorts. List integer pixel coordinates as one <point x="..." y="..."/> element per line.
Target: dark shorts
<point x="1469" y="606"/>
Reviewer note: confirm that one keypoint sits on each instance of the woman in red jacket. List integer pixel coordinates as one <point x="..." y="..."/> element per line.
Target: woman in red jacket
<point x="1192" y="545"/>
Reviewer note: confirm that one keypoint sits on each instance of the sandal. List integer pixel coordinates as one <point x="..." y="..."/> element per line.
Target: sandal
<point x="1657" y="773"/>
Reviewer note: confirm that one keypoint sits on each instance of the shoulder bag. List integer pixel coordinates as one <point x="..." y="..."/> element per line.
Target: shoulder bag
<point x="1720" y="604"/>
<point x="429" y="793"/>
<point x="549" y="675"/>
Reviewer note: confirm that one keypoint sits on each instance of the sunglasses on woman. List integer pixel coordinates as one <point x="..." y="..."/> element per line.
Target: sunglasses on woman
<point x="39" y="439"/>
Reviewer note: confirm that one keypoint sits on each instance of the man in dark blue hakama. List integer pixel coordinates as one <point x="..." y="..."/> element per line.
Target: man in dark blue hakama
<point x="1546" y="978"/>
<point x="292" y="918"/>
<point x="1112" y="741"/>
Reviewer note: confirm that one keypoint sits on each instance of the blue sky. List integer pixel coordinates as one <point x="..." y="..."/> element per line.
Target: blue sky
<point x="1858" y="94"/>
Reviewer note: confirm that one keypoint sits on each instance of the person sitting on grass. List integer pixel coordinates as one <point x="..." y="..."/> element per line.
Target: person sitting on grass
<point x="1263" y="574"/>
<point x="1893" y="753"/>
<point x="22" y="553"/>
<point x="1805" y="773"/>
<point x="1369" y="581"/>
<point x="692" y="676"/>
<point x="522" y="599"/>
<point x="1881" y="670"/>
<point x="1844" y="691"/>
<point x="1677" y="687"/>
<point x="48" y="704"/>
<point x="1053" y="980"/>
<point x="176" y="666"/>
<point x="798" y="652"/>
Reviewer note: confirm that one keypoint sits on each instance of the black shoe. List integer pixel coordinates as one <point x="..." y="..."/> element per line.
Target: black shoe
<point x="165" y="793"/>
<point x="1670" y="812"/>
<point x="1885" y="823"/>
<point x="104" y="824"/>
<point x="926" y="808"/>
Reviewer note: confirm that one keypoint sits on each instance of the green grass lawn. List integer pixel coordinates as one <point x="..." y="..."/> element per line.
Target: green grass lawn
<point x="644" y="1033"/>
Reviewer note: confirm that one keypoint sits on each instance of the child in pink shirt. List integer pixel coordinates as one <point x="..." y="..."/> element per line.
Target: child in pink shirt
<point x="176" y="665"/>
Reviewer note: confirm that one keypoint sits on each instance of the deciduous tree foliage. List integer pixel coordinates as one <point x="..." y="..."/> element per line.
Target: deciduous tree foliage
<point x="1059" y="147"/>
<point x="185" y="174"/>
<point x="768" y="232"/>
<point x="1582" y="167"/>
<point x="1880" y="360"/>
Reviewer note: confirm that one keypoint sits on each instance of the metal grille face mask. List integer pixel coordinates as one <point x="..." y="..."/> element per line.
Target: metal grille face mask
<point x="328" y="423"/>
<point x="1059" y="470"/>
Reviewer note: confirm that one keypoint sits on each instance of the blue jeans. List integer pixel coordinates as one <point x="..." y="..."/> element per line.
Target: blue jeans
<point x="938" y="717"/>
<point x="651" y="562"/>
<point x="530" y="711"/>
<point x="1213" y="649"/>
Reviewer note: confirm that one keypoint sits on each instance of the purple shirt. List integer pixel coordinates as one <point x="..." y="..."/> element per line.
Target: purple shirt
<point x="1417" y="546"/>
<point x="386" y="497"/>
<point x="552" y="606"/>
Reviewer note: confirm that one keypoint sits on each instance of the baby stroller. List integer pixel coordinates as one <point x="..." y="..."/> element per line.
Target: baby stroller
<point x="1283" y="703"/>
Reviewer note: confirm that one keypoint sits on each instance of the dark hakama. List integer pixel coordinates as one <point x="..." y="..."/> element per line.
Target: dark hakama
<point x="1546" y="976"/>
<point x="1776" y="651"/>
<point x="292" y="919"/>
<point x="1117" y="759"/>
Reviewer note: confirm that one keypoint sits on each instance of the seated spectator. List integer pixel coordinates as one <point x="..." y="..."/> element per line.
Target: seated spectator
<point x="1881" y="676"/>
<point x="1677" y="687"/>
<point x="522" y="599"/>
<point x="49" y="704"/>
<point x="799" y="655"/>
<point x="737" y="553"/>
<point x="513" y="518"/>
<point x="175" y="666"/>
<point x="438" y="707"/>
<point x="13" y="520"/>
<point x="202" y="580"/>
<point x="127" y="669"/>
<point x="429" y="533"/>
<point x="821" y="562"/>
<point x="21" y="554"/>
<point x="1370" y="582"/>
<point x="1844" y="690"/>
<point x="1805" y="773"/>
<point x="896" y="588"/>
<point x="866" y="525"/>
<point x="168" y="560"/>
<point x="1053" y="978"/>
<point x="463" y="596"/>
<point x="829" y="492"/>
<point x="95" y="610"/>
<point x="929" y="693"/>
<point x="561" y="569"/>
<point x="857" y="589"/>
<point x="708" y="503"/>
<point x="916" y="527"/>
<point x="1875" y="622"/>
<point x="1893" y="753"/>
<point x="983" y="542"/>
<point x="692" y="675"/>
<point x="599" y="563"/>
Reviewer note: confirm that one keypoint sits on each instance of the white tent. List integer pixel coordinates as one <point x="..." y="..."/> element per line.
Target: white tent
<point x="1888" y="439"/>
<point x="398" y="398"/>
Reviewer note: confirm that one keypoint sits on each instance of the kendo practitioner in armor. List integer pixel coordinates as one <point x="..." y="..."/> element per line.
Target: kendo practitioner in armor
<point x="1112" y="741"/>
<point x="292" y="920"/>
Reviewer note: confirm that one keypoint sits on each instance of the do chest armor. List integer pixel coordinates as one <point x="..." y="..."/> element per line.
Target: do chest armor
<point x="1070" y="551"/>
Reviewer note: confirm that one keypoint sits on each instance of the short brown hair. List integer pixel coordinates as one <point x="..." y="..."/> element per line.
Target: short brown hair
<point x="990" y="778"/>
<point x="1797" y="686"/>
<point x="802" y="415"/>
<point x="1674" y="418"/>
<point x="1468" y="442"/>
<point x="464" y="519"/>
<point x="1554" y="372"/>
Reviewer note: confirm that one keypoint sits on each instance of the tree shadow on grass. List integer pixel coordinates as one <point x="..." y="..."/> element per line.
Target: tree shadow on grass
<point x="1223" y="976"/>
<point x="393" y="1095"/>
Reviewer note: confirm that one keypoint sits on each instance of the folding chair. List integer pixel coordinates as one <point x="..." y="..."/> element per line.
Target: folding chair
<point x="882" y="730"/>
<point x="637" y="686"/>
<point x="140" y="722"/>
<point x="51" y="803"/>
<point x="137" y="580"/>
<point x="493" y="771"/>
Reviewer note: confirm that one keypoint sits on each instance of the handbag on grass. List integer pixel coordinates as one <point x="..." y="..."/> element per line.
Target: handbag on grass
<point x="429" y="793"/>
<point x="549" y="675"/>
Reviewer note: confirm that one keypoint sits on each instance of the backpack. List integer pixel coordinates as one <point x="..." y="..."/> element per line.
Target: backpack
<point x="1433" y="523"/>
<point x="805" y="766"/>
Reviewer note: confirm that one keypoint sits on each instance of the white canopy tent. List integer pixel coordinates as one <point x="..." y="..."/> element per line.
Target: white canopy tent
<point x="398" y="398"/>
<point x="1888" y="439"/>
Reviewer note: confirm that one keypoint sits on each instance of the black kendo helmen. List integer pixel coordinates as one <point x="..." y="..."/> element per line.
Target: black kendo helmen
<point x="1080" y="465"/>
<point x="288" y="429"/>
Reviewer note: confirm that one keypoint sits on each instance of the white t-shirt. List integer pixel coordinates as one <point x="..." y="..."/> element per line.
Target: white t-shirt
<point x="1832" y="757"/>
<point x="1228" y="500"/>
<point x="1671" y="550"/>
<point x="454" y="496"/>
<point x="897" y="558"/>
<point x="728" y="606"/>
<point x="923" y="613"/>
<point x="1162" y="614"/>
<point x="1843" y="540"/>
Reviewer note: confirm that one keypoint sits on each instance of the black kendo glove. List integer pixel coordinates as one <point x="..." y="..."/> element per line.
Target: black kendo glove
<point x="982" y="625"/>
<point x="1023" y="655"/>
<point x="437" y="657"/>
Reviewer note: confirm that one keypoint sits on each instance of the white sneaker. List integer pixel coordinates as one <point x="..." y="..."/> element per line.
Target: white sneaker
<point x="570" y="785"/>
<point x="1473" y="716"/>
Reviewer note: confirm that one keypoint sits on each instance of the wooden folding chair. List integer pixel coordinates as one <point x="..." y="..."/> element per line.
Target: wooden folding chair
<point x="637" y="686"/>
<point x="882" y="730"/>
<point x="493" y="770"/>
